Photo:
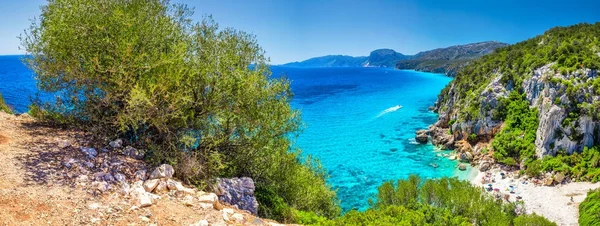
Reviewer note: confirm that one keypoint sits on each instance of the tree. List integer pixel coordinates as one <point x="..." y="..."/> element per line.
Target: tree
<point x="196" y="96"/>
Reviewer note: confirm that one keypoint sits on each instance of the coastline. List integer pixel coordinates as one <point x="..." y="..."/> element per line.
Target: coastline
<point x="558" y="203"/>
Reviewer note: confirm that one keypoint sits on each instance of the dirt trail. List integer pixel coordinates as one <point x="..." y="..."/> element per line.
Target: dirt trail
<point x="37" y="189"/>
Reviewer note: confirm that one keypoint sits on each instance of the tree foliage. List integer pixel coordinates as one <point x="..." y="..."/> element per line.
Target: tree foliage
<point x="445" y="201"/>
<point x="516" y="141"/>
<point x="3" y="106"/>
<point x="194" y="95"/>
<point x="589" y="209"/>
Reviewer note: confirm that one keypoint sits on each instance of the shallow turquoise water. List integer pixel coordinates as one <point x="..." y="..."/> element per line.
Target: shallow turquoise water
<point x="354" y="126"/>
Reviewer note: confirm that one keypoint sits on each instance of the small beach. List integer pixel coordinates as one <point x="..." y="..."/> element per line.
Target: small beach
<point x="559" y="203"/>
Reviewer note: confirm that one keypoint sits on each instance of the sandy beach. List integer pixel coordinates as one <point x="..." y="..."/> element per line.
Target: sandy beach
<point x="558" y="203"/>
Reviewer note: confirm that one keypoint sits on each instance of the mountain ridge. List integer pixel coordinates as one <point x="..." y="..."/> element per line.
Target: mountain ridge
<point x="445" y="60"/>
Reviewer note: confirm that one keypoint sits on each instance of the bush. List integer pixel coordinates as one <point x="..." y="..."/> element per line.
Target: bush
<point x="516" y="141"/>
<point x="142" y="70"/>
<point x="3" y="106"/>
<point x="589" y="209"/>
<point x="445" y="201"/>
<point x="532" y="220"/>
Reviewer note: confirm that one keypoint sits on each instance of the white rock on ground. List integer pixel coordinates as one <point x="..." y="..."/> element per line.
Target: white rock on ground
<point x="208" y="197"/>
<point x="150" y="185"/>
<point x="116" y="143"/>
<point x="200" y="223"/>
<point x="163" y="171"/>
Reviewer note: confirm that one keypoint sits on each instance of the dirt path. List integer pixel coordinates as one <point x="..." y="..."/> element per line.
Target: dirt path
<point x="37" y="189"/>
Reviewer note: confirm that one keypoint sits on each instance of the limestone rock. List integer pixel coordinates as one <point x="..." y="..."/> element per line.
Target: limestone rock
<point x="161" y="188"/>
<point x="485" y="166"/>
<point x="238" y="192"/>
<point x="548" y="181"/>
<point x="90" y="152"/>
<point x="462" y="167"/>
<point x="163" y="171"/>
<point x="177" y="186"/>
<point x="208" y="198"/>
<point x="116" y="143"/>
<point x="151" y="184"/>
<point x="422" y="136"/>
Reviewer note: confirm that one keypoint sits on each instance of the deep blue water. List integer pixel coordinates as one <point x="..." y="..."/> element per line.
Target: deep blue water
<point x="352" y="122"/>
<point x="354" y="126"/>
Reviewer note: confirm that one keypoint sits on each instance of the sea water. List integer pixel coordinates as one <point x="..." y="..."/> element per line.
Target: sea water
<point x="361" y="122"/>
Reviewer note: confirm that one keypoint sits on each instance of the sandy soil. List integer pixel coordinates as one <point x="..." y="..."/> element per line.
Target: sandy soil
<point x="36" y="189"/>
<point x="558" y="203"/>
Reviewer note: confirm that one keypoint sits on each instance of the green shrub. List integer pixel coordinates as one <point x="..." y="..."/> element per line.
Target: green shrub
<point x="532" y="220"/>
<point x="589" y="209"/>
<point x="3" y="106"/>
<point x="144" y="71"/>
<point x="445" y="201"/>
<point x="516" y="141"/>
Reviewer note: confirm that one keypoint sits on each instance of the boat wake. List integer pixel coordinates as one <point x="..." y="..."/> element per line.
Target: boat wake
<point x="389" y="110"/>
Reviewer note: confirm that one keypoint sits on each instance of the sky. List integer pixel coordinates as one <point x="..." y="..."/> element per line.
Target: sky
<point x="295" y="30"/>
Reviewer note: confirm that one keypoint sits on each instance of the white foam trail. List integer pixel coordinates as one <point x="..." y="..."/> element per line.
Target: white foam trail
<point x="389" y="110"/>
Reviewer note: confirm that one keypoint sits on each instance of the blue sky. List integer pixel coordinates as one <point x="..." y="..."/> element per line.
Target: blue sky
<point x="295" y="30"/>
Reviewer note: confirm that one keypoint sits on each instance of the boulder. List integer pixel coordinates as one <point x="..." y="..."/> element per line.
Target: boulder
<point x="238" y="192"/>
<point x="452" y="157"/>
<point x="116" y="143"/>
<point x="90" y="152"/>
<point x="485" y="166"/>
<point x="124" y="188"/>
<point x="462" y="167"/>
<point x="548" y="181"/>
<point x="421" y="136"/>
<point x="163" y="171"/>
<point x="151" y="184"/>
<point x="237" y="217"/>
<point x="143" y="198"/>
<point x="466" y="157"/>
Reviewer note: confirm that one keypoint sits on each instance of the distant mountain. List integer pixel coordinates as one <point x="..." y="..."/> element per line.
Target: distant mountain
<point x="448" y="60"/>
<point x="377" y="58"/>
<point x="443" y="60"/>
<point x="385" y="58"/>
<point x="331" y="61"/>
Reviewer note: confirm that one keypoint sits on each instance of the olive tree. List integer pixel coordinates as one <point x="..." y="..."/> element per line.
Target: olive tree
<point x="196" y="96"/>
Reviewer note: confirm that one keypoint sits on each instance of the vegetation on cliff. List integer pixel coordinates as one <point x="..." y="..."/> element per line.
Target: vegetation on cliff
<point x="499" y="88"/>
<point x="184" y="91"/>
<point x="589" y="209"/>
<point x="3" y="106"/>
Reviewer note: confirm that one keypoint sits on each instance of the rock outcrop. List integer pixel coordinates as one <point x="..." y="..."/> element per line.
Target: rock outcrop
<point x="563" y="121"/>
<point x="238" y="192"/>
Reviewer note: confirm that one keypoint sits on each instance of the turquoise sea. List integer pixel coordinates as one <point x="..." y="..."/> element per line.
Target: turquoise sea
<point x="359" y="122"/>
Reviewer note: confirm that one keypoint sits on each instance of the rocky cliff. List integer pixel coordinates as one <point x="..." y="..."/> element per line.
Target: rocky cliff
<point x="556" y="74"/>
